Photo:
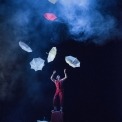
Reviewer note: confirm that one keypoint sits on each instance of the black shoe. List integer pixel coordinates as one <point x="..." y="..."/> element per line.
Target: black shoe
<point x="55" y="109"/>
<point x="52" y="111"/>
<point x="61" y="109"/>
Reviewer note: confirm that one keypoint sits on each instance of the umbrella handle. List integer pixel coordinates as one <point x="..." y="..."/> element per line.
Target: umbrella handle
<point x="73" y="60"/>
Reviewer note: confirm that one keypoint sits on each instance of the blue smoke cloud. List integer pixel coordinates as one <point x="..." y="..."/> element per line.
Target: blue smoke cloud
<point x="84" y="19"/>
<point x="89" y="19"/>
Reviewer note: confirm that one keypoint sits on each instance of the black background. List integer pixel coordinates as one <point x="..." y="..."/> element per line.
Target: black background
<point x="92" y="92"/>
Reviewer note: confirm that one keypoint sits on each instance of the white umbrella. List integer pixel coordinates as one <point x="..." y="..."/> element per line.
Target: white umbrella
<point x="37" y="64"/>
<point x="52" y="54"/>
<point x="25" y="47"/>
<point x="52" y="1"/>
<point x="72" y="61"/>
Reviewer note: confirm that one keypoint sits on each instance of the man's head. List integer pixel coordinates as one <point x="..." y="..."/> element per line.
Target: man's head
<point x="58" y="77"/>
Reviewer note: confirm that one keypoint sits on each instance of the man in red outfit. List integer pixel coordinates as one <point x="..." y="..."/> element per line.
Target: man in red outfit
<point x="59" y="89"/>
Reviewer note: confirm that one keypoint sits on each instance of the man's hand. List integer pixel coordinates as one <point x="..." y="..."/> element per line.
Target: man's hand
<point x="52" y="76"/>
<point x="64" y="70"/>
<point x="54" y="71"/>
<point x="65" y="77"/>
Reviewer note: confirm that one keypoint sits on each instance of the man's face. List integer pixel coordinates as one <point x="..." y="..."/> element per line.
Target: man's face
<point x="58" y="77"/>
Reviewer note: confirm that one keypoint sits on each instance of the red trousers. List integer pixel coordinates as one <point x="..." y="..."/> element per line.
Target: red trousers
<point x="58" y="94"/>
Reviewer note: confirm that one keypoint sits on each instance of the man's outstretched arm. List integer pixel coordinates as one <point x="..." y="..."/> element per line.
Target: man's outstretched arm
<point x="65" y="77"/>
<point x="52" y="76"/>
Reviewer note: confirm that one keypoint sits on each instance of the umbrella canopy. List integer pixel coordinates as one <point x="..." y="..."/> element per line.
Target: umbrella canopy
<point x="50" y="16"/>
<point x="25" y="47"/>
<point x="52" y="54"/>
<point x="72" y="61"/>
<point x="37" y="64"/>
<point x="52" y="1"/>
